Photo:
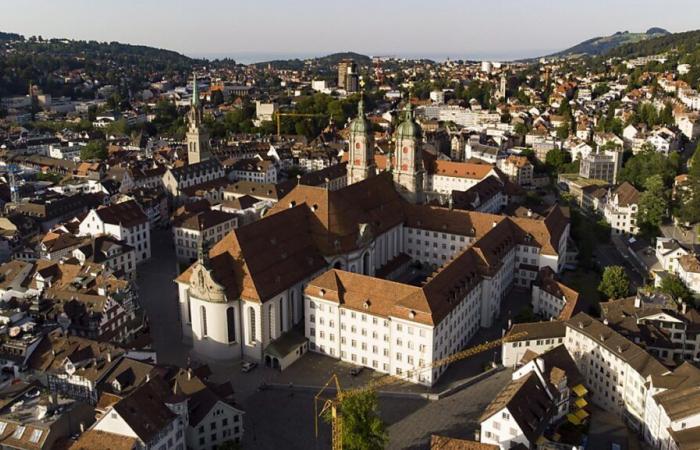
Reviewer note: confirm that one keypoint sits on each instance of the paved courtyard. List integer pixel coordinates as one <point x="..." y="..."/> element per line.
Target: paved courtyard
<point x="281" y="419"/>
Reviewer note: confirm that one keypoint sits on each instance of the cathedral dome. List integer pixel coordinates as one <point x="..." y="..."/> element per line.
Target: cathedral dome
<point x="408" y="128"/>
<point x="360" y="125"/>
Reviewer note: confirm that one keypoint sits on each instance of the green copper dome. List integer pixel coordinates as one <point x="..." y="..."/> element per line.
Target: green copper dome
<point x="408" y="128"/>
<point x="360" y="125"/>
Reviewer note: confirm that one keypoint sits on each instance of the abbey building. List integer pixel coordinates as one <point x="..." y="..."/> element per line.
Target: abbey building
<point x="368" y="273"/>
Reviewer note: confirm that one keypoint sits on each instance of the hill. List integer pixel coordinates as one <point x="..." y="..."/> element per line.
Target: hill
<point x="604" y="44"/>
<point x="686" y="43"/>
<point x="46" y="61"/>
<point x="323" y="61"/>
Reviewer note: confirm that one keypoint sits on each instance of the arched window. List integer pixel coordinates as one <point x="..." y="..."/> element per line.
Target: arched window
<point x="231" y="324"/>
<point x="189" y="310"/>
<point x="365" y="264"/>
<point x="203" y="318"/>
<point x="251" y="325"/>
<point x="270" y="314"/>
<point x="279" y="317"/>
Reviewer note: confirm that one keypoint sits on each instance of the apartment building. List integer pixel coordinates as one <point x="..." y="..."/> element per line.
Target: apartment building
<point x="124" y="221"/>
<point x="551" y="298"/>
<point x="193" y="230"/>
<point x="620" y="209"/>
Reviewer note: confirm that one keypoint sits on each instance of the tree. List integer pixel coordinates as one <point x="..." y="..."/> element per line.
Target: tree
<point x="676" y="288"/>
<point x="555" y="159"/>
<point x="615" y="283"/>
<point x="217" y="97"/>
<point x="653" y="204"/>
<point x="94" y="150"/>
<point x="689" y="193"/>
<point x="648" y="163"/>
<point x="563" y="131"/>
<point x="362" y="429"/>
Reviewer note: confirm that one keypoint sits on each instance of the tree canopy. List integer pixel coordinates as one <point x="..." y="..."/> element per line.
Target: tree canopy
<point x="94" y="150"/>
<point x="676" y="288"/>
<point x="362" y="428"/>
<point x="648" y="163"/>
<point x="615" y="283"/>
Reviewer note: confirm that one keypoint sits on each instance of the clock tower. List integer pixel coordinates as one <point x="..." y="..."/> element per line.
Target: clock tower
<point x="197" y="138"/>
<point x="361" y="152"/>
<point x="408" y="169"/>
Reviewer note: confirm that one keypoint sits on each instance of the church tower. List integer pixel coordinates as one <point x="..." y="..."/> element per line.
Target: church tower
<point x="197" y="138"/>
<point x="408" y="171"/>
<point x="361" y="151"/>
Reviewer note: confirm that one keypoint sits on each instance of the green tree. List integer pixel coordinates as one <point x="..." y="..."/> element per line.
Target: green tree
<point x="689" y="194"/>
<point x="362" y="429"/>
<point x="653" y="204"/>
<point x="555" y="159"/>
<point x="615" y="283"/>
<point x="94" y="150"/>
<point x="217" y="97"/>
<point x="521" y="129"/>
<point x="648" y="163"/>
<point x="563" y="131"/>
<point x="676" y="288"/>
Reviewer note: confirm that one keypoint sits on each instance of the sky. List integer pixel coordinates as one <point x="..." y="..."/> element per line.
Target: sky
<point x="265" y="29"/>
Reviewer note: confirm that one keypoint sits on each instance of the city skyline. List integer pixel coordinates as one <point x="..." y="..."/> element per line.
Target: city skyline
<point x="252" y="32"/>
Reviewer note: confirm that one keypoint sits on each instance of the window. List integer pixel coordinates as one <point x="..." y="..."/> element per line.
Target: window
<point x="19" y="431"/>
<point x="203" y="319"/>
<point x="251" y="325"/>
<point x="231" y="324"/>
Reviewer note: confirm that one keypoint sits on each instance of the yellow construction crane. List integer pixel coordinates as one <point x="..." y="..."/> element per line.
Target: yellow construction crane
<point x="331" y="404"/>
<point x="293" y="114"/>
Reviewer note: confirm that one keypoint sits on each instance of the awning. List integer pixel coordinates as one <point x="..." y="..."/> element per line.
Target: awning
<point x="580" y="402"/>
<point x="580" y="390"/>
<point x="573" y="419"/>
<point x="581" y="414"/>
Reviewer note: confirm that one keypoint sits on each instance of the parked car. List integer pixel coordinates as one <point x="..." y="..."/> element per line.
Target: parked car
<point x="355" y="371"/>
<point x="247" y="366"/>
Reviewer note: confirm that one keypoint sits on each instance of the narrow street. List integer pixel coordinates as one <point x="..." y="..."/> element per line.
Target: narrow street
<point x="158" y="296"/>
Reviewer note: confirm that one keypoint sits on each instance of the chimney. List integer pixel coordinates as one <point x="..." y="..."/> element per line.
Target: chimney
<point x="493" y="225"/>
<point x="82" y="427"/>
<point x="637" y="302"/>
<point x="189" y="373"/>
<point x="684" y="307"/>
<point x="605" y="321"/>
<point x="529" y="212"/>
<point x="148" y="377"/>
<point x="109" y="356"/>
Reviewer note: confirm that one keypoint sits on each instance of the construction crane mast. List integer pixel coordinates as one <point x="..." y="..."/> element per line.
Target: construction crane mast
<point x="331" y="405"/>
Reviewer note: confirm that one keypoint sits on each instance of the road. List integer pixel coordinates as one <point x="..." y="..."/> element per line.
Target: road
<point x="608" y="255"/>
<point x="158" y="296"/>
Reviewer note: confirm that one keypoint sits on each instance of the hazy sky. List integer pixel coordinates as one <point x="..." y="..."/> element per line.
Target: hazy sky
<point x="486" y="28"/>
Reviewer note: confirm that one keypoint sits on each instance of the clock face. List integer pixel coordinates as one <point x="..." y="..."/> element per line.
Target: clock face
<point x="404" y="167"/>
<point x="358" y="145"/>
<point x="357" y="162"/>
<point x="405" y="149"/>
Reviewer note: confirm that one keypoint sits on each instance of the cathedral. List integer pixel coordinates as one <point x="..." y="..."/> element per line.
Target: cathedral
<point x="368" y="273"/>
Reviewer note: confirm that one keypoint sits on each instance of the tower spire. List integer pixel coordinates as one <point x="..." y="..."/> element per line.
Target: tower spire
<point x="195" y="90"/>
